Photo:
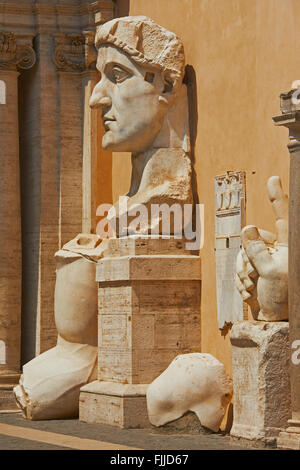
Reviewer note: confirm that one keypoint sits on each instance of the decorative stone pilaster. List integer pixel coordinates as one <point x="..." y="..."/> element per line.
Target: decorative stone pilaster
<point x="290" y="118"/>
<point x="16" y="54"/>
<point x="75" y="58"/>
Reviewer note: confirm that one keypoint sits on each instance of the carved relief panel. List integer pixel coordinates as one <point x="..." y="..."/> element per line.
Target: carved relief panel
<point x="16" y="51"/>
<point x="230" y="190"/>
<point x="75" y="52"/>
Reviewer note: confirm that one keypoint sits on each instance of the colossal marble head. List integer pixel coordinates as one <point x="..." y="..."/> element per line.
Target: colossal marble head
<point x="142" y="67"/>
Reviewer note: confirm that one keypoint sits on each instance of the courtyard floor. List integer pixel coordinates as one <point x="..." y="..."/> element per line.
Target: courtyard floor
<point x="16" y="433"/>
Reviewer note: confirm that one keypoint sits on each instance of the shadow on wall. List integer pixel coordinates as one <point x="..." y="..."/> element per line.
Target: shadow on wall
<point x="190" y="81"/>
<point x="30" y="179"/>
<point x="122" y="8"/>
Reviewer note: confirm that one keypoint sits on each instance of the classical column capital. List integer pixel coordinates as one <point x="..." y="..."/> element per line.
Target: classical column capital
<point x="75" y="52"/>
<point x="290" y="115"/>
<point x="16" y="51"/>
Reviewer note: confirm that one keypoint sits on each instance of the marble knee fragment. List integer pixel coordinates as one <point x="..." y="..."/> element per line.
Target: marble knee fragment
<point x="193" y="382"/>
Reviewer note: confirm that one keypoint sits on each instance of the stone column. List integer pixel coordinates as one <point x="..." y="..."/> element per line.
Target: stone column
<point x="16" y="53"/>
<point x="290" y="118"/>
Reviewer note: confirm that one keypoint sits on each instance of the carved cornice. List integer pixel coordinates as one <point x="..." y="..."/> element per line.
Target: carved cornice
<point x="16" y="8"/>
<point x="75" y="52"/>
<point x="50" y="17"/>
<point x="102" y="10"/>
<point x="16" y="51"/>
<point x="107" y="6"/>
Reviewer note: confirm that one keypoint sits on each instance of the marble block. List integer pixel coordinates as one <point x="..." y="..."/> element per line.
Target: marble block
<point x="261" y="383"/>
<point x="149" y="312"/>
<point x="115" y="404"/>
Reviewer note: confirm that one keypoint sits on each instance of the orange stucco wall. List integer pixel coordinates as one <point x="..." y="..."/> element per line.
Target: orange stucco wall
<point x="244" y="53"/>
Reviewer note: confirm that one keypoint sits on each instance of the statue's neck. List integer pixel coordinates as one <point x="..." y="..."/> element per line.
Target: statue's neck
<point x="154" y="166"/>
<point x="139" y="162"/>
<point x="157" y="167"/>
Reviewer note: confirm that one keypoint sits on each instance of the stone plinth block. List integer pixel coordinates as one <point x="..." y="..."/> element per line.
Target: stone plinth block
<point x="290" y="438"/>
<point x="121" y="405"/>
<point x="146" y="245"/>
<point x="260" y="361"/>
<point x="149" y="313"/>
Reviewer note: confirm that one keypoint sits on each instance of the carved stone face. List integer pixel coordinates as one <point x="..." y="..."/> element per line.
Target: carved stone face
<point x="132" y="100"/>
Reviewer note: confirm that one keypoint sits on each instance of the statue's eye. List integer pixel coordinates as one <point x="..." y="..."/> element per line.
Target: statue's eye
<point x="119" y="75"/>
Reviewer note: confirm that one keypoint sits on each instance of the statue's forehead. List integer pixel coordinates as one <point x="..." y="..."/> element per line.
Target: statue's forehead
<point x="108" y="53"/>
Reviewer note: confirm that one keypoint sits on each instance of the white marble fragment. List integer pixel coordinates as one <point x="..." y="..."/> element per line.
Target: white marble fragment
<point x="193" y="382"/>
<point x="50" y="384"/>
<point x="262" y="263"/>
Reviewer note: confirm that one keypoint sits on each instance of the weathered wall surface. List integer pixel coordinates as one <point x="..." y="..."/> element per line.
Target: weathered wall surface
<point x="54" y="156"/>
<point x="243" y="54"/>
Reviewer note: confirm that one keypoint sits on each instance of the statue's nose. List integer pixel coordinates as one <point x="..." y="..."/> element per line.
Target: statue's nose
<point x="100" y="98"/>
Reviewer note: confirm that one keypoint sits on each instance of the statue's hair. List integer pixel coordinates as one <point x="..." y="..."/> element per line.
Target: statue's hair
<point x="146" y="43"/>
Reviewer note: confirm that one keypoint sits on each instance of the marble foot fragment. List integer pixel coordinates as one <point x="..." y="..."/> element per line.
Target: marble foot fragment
<point x="50" y="384"/>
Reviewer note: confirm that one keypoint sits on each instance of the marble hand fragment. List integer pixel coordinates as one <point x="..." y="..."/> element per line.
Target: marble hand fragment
<point x="262" y="263"/>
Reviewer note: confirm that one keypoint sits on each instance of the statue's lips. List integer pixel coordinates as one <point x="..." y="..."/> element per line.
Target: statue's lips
<point x="106" y="122"/>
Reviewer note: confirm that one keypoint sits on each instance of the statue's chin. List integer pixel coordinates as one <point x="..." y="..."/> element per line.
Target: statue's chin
<point x="113" y="144"/>
<point x="108" y="141"/>
<point x="128" y="141"/>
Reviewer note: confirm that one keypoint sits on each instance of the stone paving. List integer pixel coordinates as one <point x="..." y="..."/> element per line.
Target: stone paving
<point x="107" y="437"/>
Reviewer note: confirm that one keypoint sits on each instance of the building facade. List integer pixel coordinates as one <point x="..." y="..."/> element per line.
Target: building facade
<point x="239" y="57"/>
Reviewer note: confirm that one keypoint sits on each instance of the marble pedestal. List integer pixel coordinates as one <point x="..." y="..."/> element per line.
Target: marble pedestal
<point x="149" y="312"/>
<point x="261" y="383"/>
